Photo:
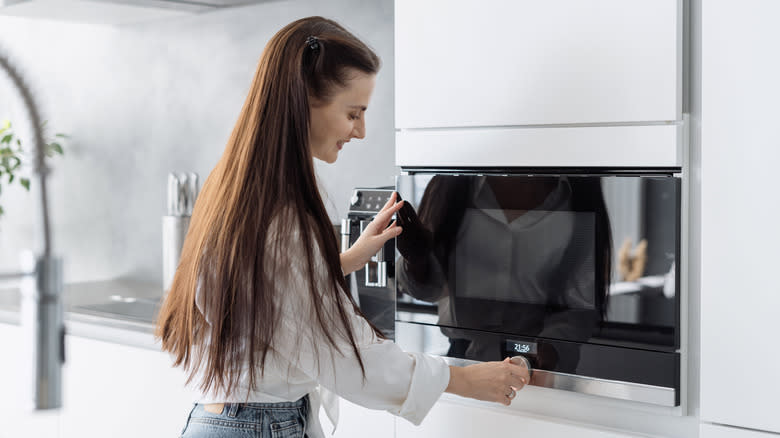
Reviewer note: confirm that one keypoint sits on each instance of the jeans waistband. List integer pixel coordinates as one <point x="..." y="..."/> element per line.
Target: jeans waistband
<point x="231" y="409"/>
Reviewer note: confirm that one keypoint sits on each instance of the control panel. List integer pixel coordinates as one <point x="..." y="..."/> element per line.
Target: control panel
<point x="368" y="200"/>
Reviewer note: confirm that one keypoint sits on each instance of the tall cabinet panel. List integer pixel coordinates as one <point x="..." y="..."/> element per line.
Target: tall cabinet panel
<point x="526" y="62"/>
<point x="740" y="153"/>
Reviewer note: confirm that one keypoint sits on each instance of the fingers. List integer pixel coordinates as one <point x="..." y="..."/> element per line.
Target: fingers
<point x="392" y="231"/>
<point x="519" y="376"/>
<point x="390" y="200"/>
<point x="509" y="379"/>
<point x="384" y="215"/>
<point x="515" y="377"/>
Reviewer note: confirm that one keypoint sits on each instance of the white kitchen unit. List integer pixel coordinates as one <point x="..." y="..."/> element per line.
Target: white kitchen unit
<point x="524" y="69"/>
<point x="452" y="420"/>
<point x="109" y="389"/>
<point x="717" y="431"/>
<point x="573" y="146"/>
<point x="16" y="420"/>
<point x="357" y="421"/>
<point x="121" y="391"/>
<point x="525" y="62"/>
<point x="740" y="156"/>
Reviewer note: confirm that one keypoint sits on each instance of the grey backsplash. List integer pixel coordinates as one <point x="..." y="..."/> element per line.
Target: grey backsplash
<point x="143" y="100"/>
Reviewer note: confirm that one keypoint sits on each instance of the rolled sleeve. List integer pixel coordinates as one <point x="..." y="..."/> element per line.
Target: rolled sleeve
<point x="429" y="380"/>
<point x="404" y="384"/>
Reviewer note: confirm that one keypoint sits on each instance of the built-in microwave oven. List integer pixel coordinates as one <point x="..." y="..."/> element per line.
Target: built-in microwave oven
<point x="575" y="271"/>
<point x="578" y="271"/>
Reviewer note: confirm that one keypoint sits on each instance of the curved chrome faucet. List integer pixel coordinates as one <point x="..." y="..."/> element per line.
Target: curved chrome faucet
<point x="41" y="311"/>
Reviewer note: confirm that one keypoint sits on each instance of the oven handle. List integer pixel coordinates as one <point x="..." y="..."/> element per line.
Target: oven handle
<point x="658" y="395"/>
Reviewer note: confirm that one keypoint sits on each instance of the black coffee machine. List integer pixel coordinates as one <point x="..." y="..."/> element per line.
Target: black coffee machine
<point x="372" y="286"/>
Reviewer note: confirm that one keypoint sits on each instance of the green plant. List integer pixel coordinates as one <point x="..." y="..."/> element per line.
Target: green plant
<point x="13" y="156"/>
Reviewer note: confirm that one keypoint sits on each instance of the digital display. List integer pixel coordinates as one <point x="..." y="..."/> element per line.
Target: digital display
<point x="520" y="347"/>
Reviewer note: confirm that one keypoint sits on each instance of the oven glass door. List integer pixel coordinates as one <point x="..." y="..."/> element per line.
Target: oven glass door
<point x="584" y="259"/>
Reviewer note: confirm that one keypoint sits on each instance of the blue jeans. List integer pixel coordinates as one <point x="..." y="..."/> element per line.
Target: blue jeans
<point x="256" y="420"/>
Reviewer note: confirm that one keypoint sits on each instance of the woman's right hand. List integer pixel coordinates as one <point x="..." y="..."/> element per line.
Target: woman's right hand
<point x="489" y="381"/>
<point x="373" y="237"/>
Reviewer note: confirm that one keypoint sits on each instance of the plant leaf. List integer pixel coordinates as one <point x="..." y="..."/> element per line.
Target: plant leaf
<point x="56" y="148"/>
<point x="16" y="162"/>
<point x="11" y="177"/>
<point x="1" y="210"/>
<point x="25" y="182"/>
<point x="7" y="138"/>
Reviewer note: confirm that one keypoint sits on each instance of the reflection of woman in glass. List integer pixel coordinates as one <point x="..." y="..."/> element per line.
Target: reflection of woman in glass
<point x="509" y="254"/>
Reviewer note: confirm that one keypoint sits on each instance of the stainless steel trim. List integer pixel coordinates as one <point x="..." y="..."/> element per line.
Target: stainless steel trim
<point x="550" y="125"/>
<point x="174" y="231"/>
<point x="365" y="211"/>
<point x="381" y="274"/>
<point x="377" y="260"/>
<point x="43" y="329"/>
<point x="345" y="232"/>
<point x="657" y="395"/>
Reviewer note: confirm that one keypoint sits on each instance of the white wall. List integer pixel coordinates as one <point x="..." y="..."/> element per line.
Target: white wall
<point x="142" y="100"/>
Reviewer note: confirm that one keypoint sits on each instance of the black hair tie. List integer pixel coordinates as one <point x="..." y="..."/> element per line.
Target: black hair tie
<point x="313" y="42"/>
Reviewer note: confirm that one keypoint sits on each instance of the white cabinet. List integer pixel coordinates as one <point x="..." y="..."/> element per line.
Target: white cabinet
<point x="458" y="421"/>
<point x="528" y="62"/>
<point x="526" y="83"/>
<point x="740" y="235"/>
<point x="717" y="431"/>
<point x="356" y="421"/>
<point x="121" y="391"/>
<point x="604" y="146"/>
<point x="15" y="419"/>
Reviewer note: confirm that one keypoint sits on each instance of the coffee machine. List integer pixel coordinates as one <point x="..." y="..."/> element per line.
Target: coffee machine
<point x="372" y="286"/>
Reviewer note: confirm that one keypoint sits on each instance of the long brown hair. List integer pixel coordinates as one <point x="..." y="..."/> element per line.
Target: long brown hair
<point x="266" y="175"/>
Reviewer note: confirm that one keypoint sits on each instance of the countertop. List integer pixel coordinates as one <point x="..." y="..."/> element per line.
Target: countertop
<point x="84" y="317"/>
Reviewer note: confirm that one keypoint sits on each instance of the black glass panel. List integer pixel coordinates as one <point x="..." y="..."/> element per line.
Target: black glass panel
<point x="573" y="258"/>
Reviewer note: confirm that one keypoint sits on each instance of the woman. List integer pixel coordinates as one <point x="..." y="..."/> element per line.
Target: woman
<point x="258" y="312"/>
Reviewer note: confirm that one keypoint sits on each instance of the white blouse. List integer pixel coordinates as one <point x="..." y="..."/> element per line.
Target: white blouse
<point x="404" y="384"/>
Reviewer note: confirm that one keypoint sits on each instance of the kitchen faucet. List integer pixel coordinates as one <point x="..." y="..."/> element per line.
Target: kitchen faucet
<point x="41" y="310"/>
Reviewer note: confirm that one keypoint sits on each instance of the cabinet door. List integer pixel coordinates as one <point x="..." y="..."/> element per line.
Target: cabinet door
<point x="717" y="431"/>
<point x="452" y="420"/>
<point x="528" y="62"/>
<point x="16" y="420"/>
<point x="121" y="391"/>
<point x="357" y="422"/>
<point x="601" y="146"/>
<point x="740" y="232"/>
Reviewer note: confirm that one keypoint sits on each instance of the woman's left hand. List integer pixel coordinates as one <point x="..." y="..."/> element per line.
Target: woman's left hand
<point x="373" y="237"/>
